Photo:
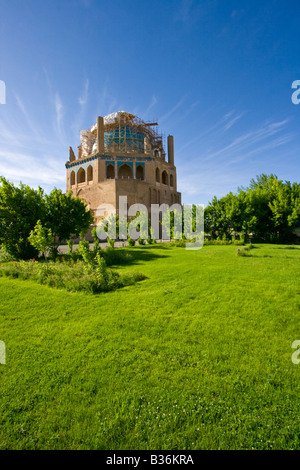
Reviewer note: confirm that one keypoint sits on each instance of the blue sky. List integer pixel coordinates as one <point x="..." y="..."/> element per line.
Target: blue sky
<point x="216" y="74"/>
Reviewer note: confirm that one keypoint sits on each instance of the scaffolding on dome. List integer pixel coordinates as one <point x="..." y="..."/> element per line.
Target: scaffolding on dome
<point x="124" y="132"/>
<point x="87" y="140"/>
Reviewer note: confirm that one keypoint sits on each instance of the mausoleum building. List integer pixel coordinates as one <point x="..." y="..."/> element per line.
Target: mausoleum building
<point x="121" y="155"/>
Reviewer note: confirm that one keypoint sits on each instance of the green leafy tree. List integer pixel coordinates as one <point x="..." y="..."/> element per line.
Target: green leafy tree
<point x="41" y="238"/>
<point x="67" y="216"/>
<point x="20" y="209"/>
<point x="217" y="219"/>
<point x="268" y="210"/>
<point x="96" y="240"/>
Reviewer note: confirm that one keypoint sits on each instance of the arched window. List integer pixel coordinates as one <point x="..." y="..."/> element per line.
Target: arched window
<point x="125" y="171"/>
<point x="171" y="181"/>
<point x="110" y="171"/>
<point x="81" y="176"/>
<point x="157" y="175"/>
<point x="164" y="177"/>
<point x="90" y="173"/>
<point x="140" y="172"/>
<point x="72" y="178"/>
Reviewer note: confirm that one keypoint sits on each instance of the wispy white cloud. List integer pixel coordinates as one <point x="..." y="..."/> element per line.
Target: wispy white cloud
<point x="223" y="164"/>
<point x="32" y="126"/>
<point x="22" y="166"/>
<point x="28" y="153"/>
<point x="273" y="144"/>
<point x="173" y="110"/>
<point x="59" y="116"/>
<point x="245" y="142"/>
<point x="232" y="121"/>
<point x="58" y="110"/>
<point x="183" y="115"/>
<point x="209" y="134"/>
<point x="84" y="97"/>
<point x="151" y="105"/>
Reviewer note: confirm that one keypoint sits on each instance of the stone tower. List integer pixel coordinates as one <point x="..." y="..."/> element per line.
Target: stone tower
<point x="121" y="155"/>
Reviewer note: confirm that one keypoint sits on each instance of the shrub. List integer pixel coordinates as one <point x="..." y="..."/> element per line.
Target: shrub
<point x="111" y="242"/>
<point x="95" y="277"/>
<point x="237" y="242"/>
<point x="116" y="256"/>
<point x="85" y="252"/>
<point x="70" y="245"/>
<point x="218" y="241"/>
<point x="131" y="242"/>
<point x="249" y="247"/>
<point x="5" y="257"/>
<point x="179" y="243"/>
<point x="243" y="252"/>
<point x="97" y="246"/>
<point x="41" y="238"/>
<point x="101" y="272"/>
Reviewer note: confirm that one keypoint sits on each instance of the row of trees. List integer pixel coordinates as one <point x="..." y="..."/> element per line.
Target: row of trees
<point x="60" y="217"/>
<point x="268" y="211"/>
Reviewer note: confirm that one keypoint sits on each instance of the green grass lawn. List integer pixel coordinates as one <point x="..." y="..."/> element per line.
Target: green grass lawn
<point x="196" y="356"/>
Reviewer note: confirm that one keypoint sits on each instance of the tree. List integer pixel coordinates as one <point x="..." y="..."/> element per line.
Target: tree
<point x="269" y="209"/>
<point x="217" y="220"/>
<point x="20" y="209"/>
<point x="67" y="216"/>
<point x="41" y="238"/>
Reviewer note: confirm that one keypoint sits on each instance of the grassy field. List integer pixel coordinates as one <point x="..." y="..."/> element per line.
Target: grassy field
<point x="196" y="356"/>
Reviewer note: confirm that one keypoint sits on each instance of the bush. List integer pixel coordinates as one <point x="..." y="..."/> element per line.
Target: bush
<point x="41" y="238"/>
<point x="94" y="277"/>
<point x="242" y="238"/>
<point x="218" y="241"/>
<point x="5" y="257"/>
<point x="131" y="242"/>
<point x="70" y="245"/>
<point x="249" y="247"/>
<point x="179" y="243"/>
<point x="85" y="252"/>
<point x="111" y="242"/>
<point x="243" y="252"/>
<point x="22" y="207"/>
<point x="116" y="256"/>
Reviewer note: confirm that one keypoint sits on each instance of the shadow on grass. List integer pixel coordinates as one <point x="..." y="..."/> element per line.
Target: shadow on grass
<point x="121" y="256"/>
<point x="139" y="254"/>
<point x="287" y="248"/>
